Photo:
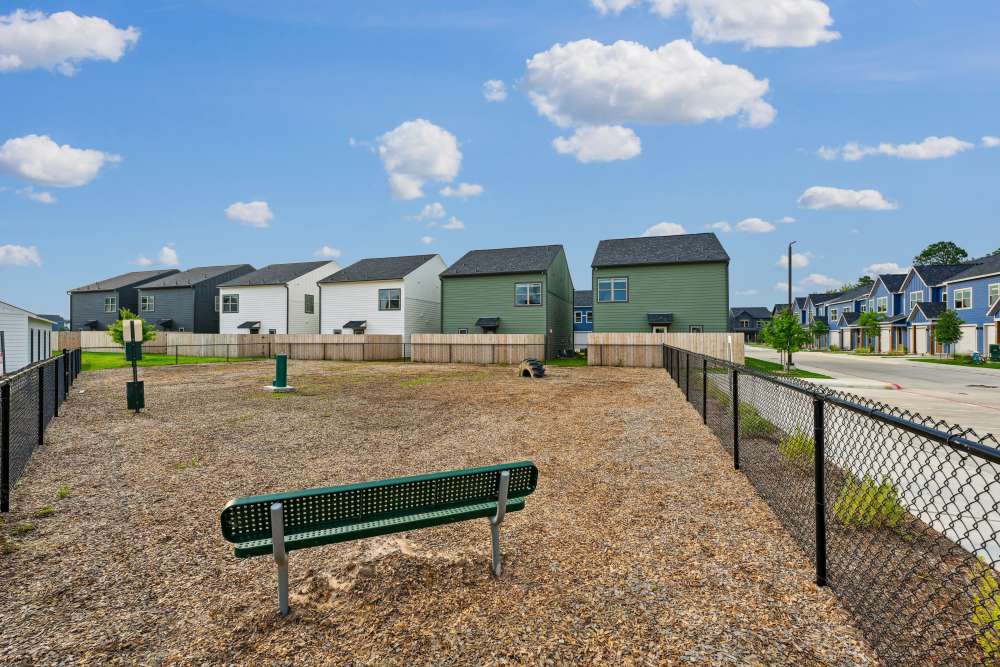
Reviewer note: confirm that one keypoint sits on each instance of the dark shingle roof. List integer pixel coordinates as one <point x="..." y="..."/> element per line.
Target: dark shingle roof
<point x="756" y="312"/>
<point x="677" y="249"/>
<point x="853" y="294"/>
<point x="378" y="268"/>
<point x="194" y="276"/>
<point x="982" y="267"/>
<point x="800" y="301"/>
<point x="935" y="274"/>
<point x="52" y="318"/>
<point x="275" y="274"/>
<point x="895" y="319"/>
<point x="583" y="298"/>
<point x="779" y="308"/>
<point x="125" y="280"/>
<point x="850" y="317"/>
<point x="530" y="259"/>
<point x="932" y="309"/>
<point x="893" y="281"/>
<point x="823" y="298"/>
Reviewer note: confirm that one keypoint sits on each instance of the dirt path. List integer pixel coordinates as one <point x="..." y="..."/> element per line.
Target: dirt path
<point x="641" y="545"/>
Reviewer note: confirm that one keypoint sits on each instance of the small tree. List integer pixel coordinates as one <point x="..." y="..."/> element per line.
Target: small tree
<point x="948" y="330"/>
<point x="995" y="252"/>
<point x="869" y="323"/>
<point x="785" y="334"/>
<point x="818" y="329"/>
<point x="941" y="252"/>
<point x="115" y="329"/>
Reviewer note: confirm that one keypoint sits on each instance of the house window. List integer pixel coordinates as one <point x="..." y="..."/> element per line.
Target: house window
<point x="146" y="303"/>
<point x="389" y="299"/>
<point x="696" y="328"/>
<point x="833" y="313"/>
<point x="744" y="324"/>
<point x="528" y="294"/>
<point x="883" y="304"/>
<point x="871" y="304"/>
<point x="310" y="304"/>
<point x="994" y="293"/>
<point x="864" y="308"/>
<point x="463" y="331"/>
<point x="760" y="324"/>
<point x="110" y="304"/>
<point x="916" y="296"/>
<point x="587" y="316"/>
<point x="230" y="303"/>
<point x="612" y="290"/>
<point x="963" y="298"/>
<point x="272" y="331"/>
<point x="578" y="317"/>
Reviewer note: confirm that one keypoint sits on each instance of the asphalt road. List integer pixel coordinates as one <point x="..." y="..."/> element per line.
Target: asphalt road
<point x="969" y="397"/>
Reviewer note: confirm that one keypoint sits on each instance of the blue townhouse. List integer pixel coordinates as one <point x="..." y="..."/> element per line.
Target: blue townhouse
<point x="926" y="285"/>
<point x="816" y="310"/>
<point x="844" y="332"/>
<point x="801" y="310"/>
<point x="583" y="317"/>
<point x="749" y="321"/>
<point x="921" y="323"/>
<point x="974" y="294"/>
<point x="886" y="299"/>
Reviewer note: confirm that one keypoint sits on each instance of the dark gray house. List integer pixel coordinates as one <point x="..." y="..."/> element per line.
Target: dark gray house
<point x="189" y="300"/>
<point x="95" y="306"/>
<point x="749" y="320"/>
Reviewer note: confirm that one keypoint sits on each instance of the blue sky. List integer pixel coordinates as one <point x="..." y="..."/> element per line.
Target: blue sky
<point x="210" y="104"/>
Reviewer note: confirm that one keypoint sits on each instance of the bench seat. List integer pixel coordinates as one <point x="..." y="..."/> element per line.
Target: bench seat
<point x="373" y="528"/>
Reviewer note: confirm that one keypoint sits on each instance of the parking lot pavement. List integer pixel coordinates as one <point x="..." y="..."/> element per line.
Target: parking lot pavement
<point x="969" y="397"/>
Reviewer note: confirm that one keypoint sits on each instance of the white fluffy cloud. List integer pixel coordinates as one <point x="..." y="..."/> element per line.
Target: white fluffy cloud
<point x="875" y="270"/>
<point x="415" y="152"/>
<point x="761" y="23"/>
<point x="462" y="191"/>
<point x="755" y="226"/>
<point x="746" y="292"/>
<point x="427" y="240"/>
<point x="931" y="148"/>
<point x="19" y="255"/>
<point x="167" y="256"/>
<point x="38" y="159"/>
<point x="823" y="197"/>
<point x="787" y="220"/>
<point x="820" y="280"/>
<point x="665" y="229"/>
<point x="800" y="260"/>
<point x="328" y="252"/>
<point x="434" y="211"/>
<point x="40" y="197"/>
<point x="990" y="141"/>
<point x="60" y="41"/>
<point x="453" y="223"/>
<point x="494" y="90"/>
<point x="253" y="213"/>
<point x="589" y="83"/>
<point x="602" y="143"/>
<point x="721" y="226"/>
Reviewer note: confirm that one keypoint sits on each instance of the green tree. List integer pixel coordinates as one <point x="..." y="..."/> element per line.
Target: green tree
<point x="115" y="329"/>
<point x="995" y="252"/>
<point x="870" y="325"/>
<point x="948" y="330"/>
<point x="785" y="334"/>
<point x="863" y="280"/>
<point x="818" y="329"/>
<point x="941" y="252"/>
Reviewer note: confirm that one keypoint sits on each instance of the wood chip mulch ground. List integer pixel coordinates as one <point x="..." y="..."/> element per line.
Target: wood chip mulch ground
<point x="640" y="546"/>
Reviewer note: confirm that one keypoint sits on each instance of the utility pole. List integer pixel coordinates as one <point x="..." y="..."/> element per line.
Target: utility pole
<point x="790" y="309"/>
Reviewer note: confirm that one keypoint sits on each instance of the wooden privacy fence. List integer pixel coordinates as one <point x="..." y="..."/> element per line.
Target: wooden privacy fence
<point x="330" y="347"/>
<point x="476" y="348"/>
<point x="646" y="349"/>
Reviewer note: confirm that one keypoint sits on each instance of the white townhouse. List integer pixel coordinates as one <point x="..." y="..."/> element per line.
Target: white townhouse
<point x="384" y="295"/>
<point x="24" y="338"/>
<point x="277" y="299"/>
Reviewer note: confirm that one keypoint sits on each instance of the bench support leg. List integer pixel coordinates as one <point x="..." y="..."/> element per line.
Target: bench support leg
<point x="498" y="519"/>
<point x="280" y="555"/>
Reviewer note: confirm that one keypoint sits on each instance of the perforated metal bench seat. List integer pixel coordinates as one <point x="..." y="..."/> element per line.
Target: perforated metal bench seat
<point x="386" y="526"/>
<point x="282" y="522"/>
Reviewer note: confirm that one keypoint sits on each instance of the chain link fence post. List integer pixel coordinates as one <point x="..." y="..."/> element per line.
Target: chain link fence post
<point x="819" y="437"/>
<point x="736" y="418"/>
<point x="5" y="447"/>
<point x="704" y="390"/>
<point x="41" y="405"/>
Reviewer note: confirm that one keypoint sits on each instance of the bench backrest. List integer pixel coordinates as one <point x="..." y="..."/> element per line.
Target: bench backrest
<point x="249" y="518"/>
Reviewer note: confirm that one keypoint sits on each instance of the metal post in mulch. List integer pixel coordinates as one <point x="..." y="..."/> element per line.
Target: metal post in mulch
<point x="736" y="419"/>
<point x="704" y="390"/>
<point x="819" y="436"/>
<point x="5" y="447"/>
<point x="280" y="383"/>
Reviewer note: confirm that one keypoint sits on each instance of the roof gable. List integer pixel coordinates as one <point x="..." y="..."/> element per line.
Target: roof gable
<point x="498" y="261"/>
<point x="129" y="279"/>
<point x="986" y="266"/>
<point x="652" y="250"/>
<point x="936" y="274"/>
<point x="583" y="298"/>
<point x="379" y="268"/>
<point x="194" y="276"/>
<point x="275" y="274"/>
<point x="755" y="312"/>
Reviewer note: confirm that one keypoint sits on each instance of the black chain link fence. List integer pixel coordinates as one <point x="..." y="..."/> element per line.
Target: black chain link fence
<point x="29" y="400"/>
<point x="899" y="511"/>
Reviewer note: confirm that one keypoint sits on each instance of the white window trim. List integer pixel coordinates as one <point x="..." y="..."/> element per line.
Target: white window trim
<point x="696" y="328"/>
<point x="955" y="294"/>
<point x="463" y="330"/>
<point x="113" y="301"/>
<point x="528" y="303"/>
<point x="306" y="299"/>
<point x="578" y="317"/>
<point x="612" y="280"/>
<point x="989" y="300"/>
<point x="234" y="299"/>
<point x="388" y="298"/>
<point x="879" y="302"/>
<point x="744" y="324"/>
<point x="913" y="296"/>
<point x="217" y="303"/>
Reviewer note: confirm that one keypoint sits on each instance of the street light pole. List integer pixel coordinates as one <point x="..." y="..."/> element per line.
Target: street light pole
<point x="790" y="309"/>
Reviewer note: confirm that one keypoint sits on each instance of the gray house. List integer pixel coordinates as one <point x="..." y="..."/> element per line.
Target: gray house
<point x="95" y="306"/>
<point x="189" y="300"/>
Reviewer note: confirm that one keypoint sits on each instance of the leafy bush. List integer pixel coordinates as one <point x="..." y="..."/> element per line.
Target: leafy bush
<point x="797" y="447"/>
<point x="753" y="424"/>
<point x="867" y="503"/>
<point x="835" y="348"/>
<point x="986" y="609"/>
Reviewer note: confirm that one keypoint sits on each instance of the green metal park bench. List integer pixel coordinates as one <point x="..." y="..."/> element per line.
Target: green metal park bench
<point x="282" y="522"/>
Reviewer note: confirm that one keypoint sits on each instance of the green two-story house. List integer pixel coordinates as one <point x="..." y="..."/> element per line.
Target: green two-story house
<point x="657" y="284"/>
<point x="510" y="291"/>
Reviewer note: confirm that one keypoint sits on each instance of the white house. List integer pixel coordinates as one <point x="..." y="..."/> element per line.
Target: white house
<point x="384" y="295"/>
<point x="26" y="338"/>
<point x="278" y="299"/>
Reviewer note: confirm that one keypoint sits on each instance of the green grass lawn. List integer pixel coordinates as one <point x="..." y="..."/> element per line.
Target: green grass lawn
<point x="570" y="361"/>
<point x="771" y="367"/>
<point x="959" y="361"/>
<point x="99" y="361"/>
